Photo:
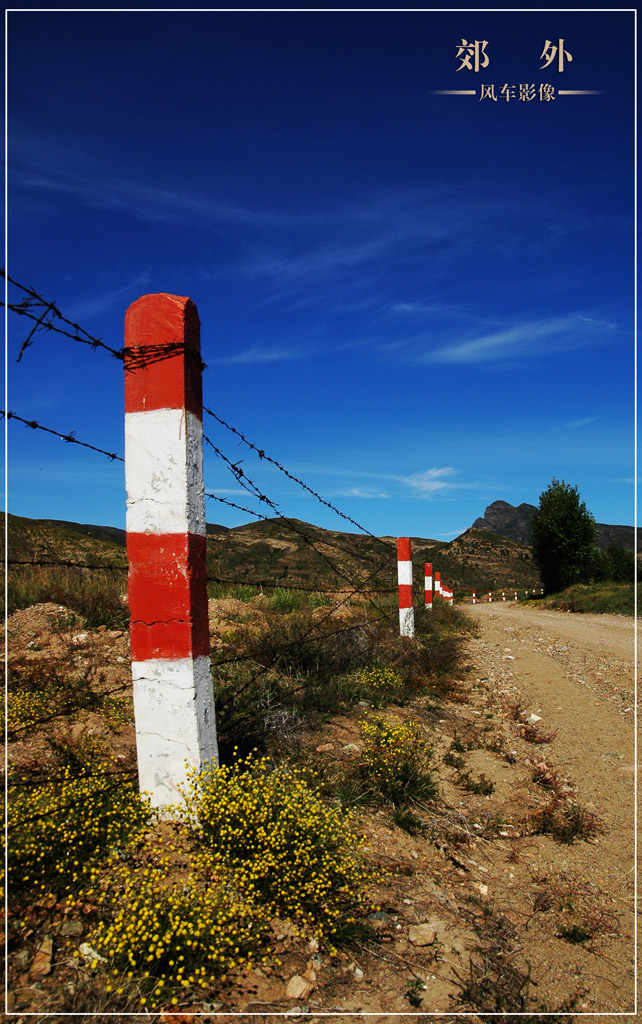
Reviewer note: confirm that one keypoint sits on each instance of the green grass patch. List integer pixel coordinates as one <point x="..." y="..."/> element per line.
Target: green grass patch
<point x="100" y="596"/>
<point x="600" y="598"/>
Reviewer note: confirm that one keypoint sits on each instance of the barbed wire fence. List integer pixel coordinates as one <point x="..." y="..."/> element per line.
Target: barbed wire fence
<point x="47" y="318"/>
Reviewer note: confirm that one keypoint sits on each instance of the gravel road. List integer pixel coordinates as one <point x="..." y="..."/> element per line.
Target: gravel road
<point x="577" y="672"/>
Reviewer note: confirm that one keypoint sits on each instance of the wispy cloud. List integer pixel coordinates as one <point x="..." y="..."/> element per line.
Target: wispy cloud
<point x="429" y="481"/>
<point x="526" y="339"/>
<point x="362" y="492"/>
<point x="577" y="424"/>
<point x="256" y="354"/>
<point x="98" y="303"/>
<point x="150" y="202"/>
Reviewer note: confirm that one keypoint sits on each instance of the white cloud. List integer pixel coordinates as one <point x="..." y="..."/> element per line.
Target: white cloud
<point x="362" y="492"/>
<point x="256" y="354"/>
<point x="531" y="338"/>
<point x="576" y="424"/>
<point x="428" y="481"/>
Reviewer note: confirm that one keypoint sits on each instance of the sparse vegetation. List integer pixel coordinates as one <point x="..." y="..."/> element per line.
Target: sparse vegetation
<point x="566" y="821"/>
<point x="98" y="596"/>
<point x="268" y="873"/>
<point x="396" y="762"/>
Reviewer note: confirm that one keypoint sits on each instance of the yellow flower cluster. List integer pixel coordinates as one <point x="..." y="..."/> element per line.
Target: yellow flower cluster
<point x="282" y="846"/>
<point x="174" y="935"/>
<point x="56" y="829"/>
<point x="119" y="711"/>
<point x="382" y="683"/>
<point x="396" y="759"/>
<point x="24" y="709"/>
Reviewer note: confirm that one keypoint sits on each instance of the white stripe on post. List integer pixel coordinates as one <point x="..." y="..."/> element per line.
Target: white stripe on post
<point x="166" y="545"/>
<point x="428" y="584"/>
<point x="404" y="576"/>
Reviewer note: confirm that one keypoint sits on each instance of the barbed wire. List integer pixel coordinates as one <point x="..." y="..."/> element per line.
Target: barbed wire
<point x="47" y="314"/>
<point x="258" y="584"/>
<point x="262" y="455"/>
<point x="38" y="563"/>
<point x="138" y="356"/>
<point x="69" y="438"/>
<point x="34" y="301"/>
<point x="249" y="485"/>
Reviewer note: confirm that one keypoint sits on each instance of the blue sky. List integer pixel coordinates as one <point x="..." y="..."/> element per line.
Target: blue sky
<point x="418" y="303"/>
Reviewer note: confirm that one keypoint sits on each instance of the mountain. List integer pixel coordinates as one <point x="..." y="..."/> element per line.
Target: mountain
<point x="508" y="520"/>
<point x="515" y="522"/>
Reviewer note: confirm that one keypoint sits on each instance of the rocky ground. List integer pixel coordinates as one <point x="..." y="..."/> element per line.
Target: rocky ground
<point x="481" y="910"/>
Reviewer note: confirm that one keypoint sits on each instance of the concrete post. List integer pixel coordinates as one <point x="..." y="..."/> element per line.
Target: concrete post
<point x="428" y="585"/>
<point x="404" y="576"/>
<point x="166" y="544"/>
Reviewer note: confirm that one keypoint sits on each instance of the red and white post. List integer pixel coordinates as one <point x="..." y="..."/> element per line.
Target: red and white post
<point x="474" y="598"/>
<point x="515" y="595"/>
<point x="428" y="585"/>
<point x="438" y="583"/>
<point x="166" y="544"/>
<point x="404" y="576"/>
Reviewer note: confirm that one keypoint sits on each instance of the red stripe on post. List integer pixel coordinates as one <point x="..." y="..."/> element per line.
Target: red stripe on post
<point x="405" y="595"/>
<point x="403" y="549"/>
<point x="168" y="596"/>
<point x="166" y="381"/>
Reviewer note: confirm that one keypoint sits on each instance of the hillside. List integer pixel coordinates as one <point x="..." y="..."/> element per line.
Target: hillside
<point x="293" y="553"/>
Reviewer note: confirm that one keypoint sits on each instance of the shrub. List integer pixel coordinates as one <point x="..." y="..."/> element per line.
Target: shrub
<point x="57" y="828"/>
<point x="568" y="821"/>
<point x="43" y="690"/>
<point x="173" y="934"/>
<point x="282" y="846"/>
<point x="395" y="760"/>
<point x="381" y="684"/>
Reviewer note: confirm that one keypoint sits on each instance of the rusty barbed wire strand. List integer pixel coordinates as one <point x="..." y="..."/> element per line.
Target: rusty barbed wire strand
<point x="249" y="485"/>
<point x="39" y="564"/>
<point x="69" y="438"/>
<point x="283" y="585"/>
<point x="134" y="357"/>
<point x="309" y="635"/>
<point x="262" y="455"/>
<point x="292" y="586"/>
<point x="34" y="300"/>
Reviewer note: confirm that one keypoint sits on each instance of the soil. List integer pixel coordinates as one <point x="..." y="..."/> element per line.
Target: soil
<point x="515" y="920"/>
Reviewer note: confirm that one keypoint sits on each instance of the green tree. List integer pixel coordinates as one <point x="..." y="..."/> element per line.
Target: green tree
<point x="564" y="537"/>
<point x="621" y="564"/>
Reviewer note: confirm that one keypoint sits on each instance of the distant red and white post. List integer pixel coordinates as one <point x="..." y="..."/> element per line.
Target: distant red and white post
<point x="428" y="585"/>
<point x="166" y="544"/>
<point x="438" y="583"/>
<point x="404" y="576"/>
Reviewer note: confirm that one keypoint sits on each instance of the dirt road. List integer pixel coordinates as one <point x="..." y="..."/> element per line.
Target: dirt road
<point x="577" y="673"/>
